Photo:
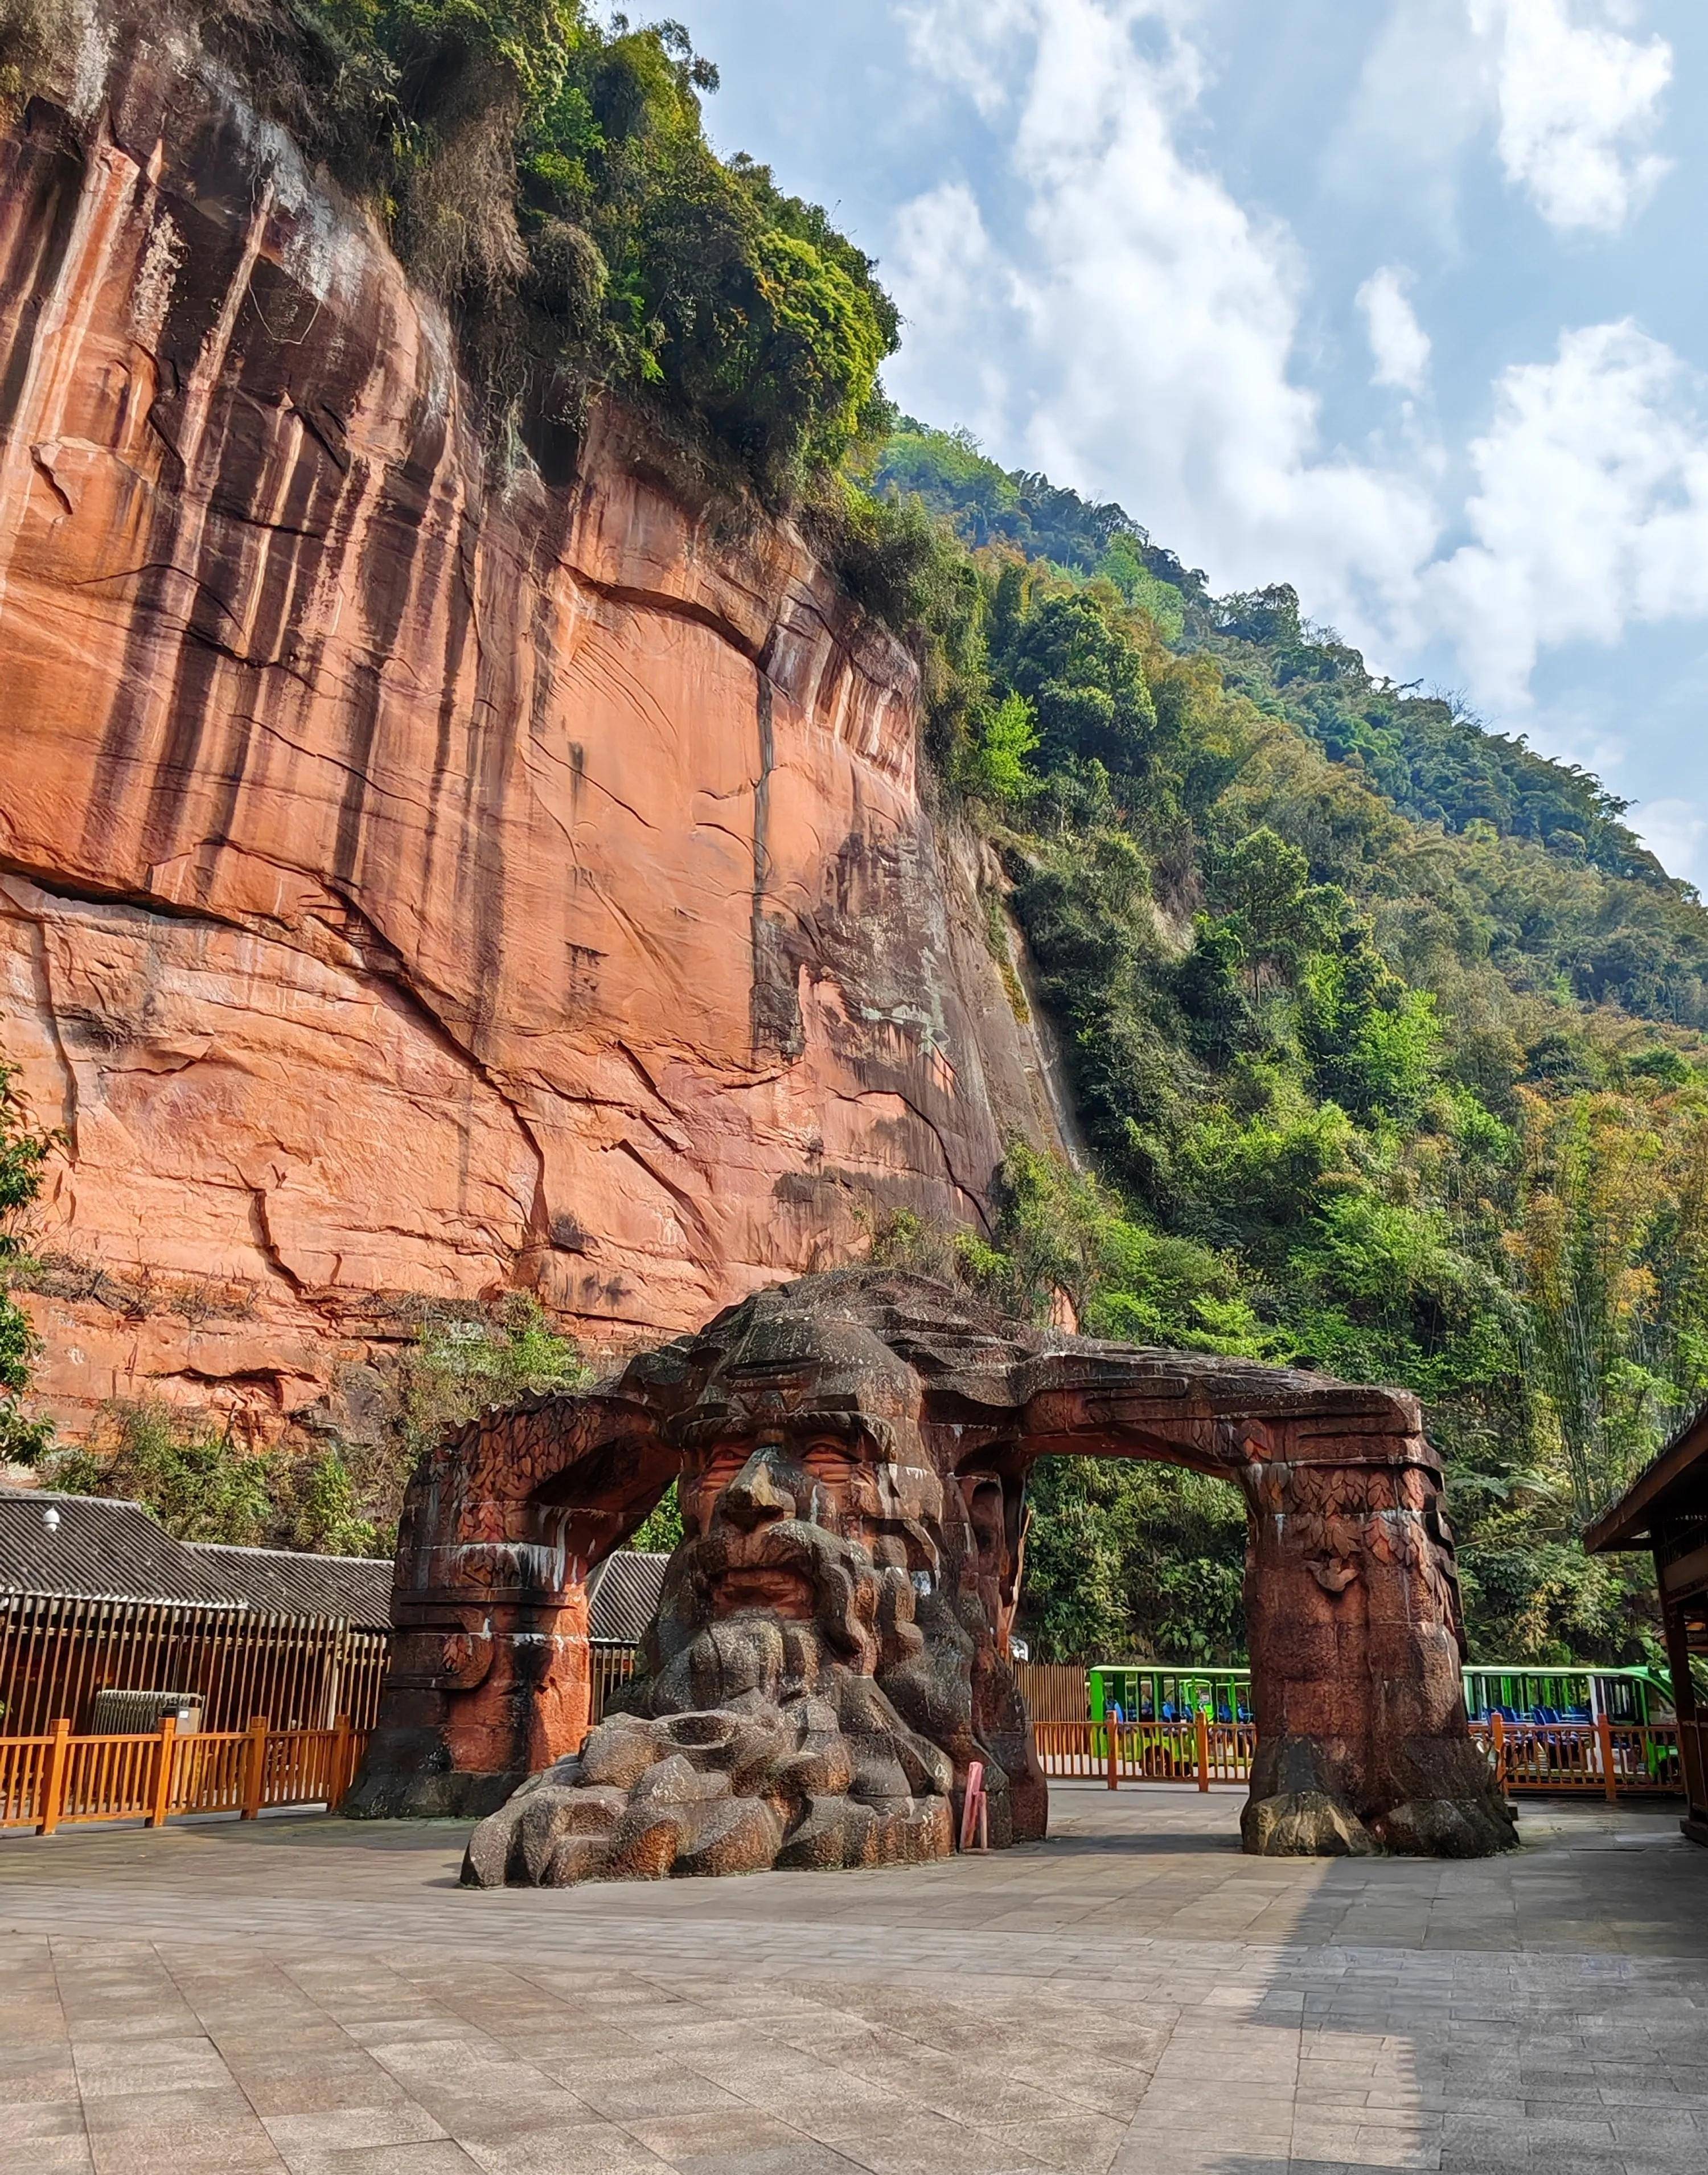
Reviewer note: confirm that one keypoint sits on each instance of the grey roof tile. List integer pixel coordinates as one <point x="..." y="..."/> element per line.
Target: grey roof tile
<point x="110" y="1550"/>
<point x="107" y="1550"/>
<point x="623" y="1597"/>
<point x="355" y="1589"/>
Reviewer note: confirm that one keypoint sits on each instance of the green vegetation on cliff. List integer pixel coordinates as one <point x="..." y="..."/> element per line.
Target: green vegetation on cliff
<point x="24" y="1149"/>
<point x="550" y="178"/>
<point x="1383" y="1032"/>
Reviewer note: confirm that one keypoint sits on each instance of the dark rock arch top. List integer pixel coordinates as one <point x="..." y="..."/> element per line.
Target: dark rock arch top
<point x="830" y="1652"/>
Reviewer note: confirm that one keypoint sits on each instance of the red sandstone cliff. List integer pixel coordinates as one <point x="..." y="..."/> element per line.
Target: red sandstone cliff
<point x="413" y="882"/>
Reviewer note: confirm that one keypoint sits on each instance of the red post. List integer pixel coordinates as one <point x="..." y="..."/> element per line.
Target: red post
<point x="1115" y="1754"/>
<point x="341" y="1776"/>
<point x="53" y="1795"/>
<point x="254" y="1768"/>
<point x="1497" y="1739"/>
<point x="1605" y="1733"/>
<point x="163" y="1772"/>
<point x="1203" y="1749"/>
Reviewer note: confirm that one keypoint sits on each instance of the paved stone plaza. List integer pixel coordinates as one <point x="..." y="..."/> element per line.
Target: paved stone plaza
<point x="318" y="1997"/>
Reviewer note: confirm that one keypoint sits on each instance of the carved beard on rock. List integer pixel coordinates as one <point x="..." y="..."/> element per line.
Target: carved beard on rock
<point x="759" y="1739"/>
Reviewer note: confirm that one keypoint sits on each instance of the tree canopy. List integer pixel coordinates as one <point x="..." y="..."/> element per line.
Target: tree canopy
<point x="1386" y="1048"/>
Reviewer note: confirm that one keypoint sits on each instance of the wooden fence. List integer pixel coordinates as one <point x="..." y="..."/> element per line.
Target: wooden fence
<point x="49" y="1781"/>
<point x="1053" y="1691"/>
<point x="1196" y="1750"/>
<point x="1610" y="1759"/>
<point x="610" y="1667"/>
<point x="57" y="1652"/>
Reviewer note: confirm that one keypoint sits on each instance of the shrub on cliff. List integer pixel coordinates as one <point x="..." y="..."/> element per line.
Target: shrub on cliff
<point x="24" y="1149"/>
<point x="204" y="1481"/>
<point x="550" y="179"/>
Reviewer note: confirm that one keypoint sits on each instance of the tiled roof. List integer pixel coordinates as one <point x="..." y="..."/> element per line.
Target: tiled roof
<point x="110" y="1551"/>
<point x="355" y="1589"/>
<point x="115" y="1551"/>
<point x="623" y="1597"/>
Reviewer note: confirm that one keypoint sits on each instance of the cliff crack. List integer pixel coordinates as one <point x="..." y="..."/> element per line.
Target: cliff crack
<point x="44" y="468"/>
<point x="261" y="1228"/>
<point x="907" y="1103"/>
<point x="381" y="959"/>
<point x="685" y="1201"/>
<point x="684" y="608"/>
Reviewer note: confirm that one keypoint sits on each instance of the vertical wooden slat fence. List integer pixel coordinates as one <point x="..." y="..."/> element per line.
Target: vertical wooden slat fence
<point x="1053" y="1691"/>
<point x="55" y="1780"/>
<point x="1197" y="1750"/>
<point x="57" y="1652"/>
<point x="609" y="1667"/>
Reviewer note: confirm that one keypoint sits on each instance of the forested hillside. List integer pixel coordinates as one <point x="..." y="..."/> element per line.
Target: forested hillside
<point x="1384" y="1032"/>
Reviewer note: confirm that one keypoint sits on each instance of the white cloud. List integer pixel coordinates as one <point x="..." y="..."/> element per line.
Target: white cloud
<point x="1134" y="330"/>
<point x="1578" y="101"/>
<point x="1572" y="100"/>
<point x="1590" y="509"/>
<point x="1676" y="832"/>
<point x="1399" y="345"/>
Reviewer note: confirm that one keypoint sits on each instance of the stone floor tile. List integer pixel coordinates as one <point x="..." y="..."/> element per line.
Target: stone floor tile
<point x="132" y="2065"/>
<point x="338" y="2129"/>
<point x="802" y="2158"/>
<point x="163" y="2152"/>
<point x="51" y="2155"/>
<point x="594" y="2148"/>
<point x="206" y="2108"/>
<point x="48" y="2076"/>
<point x="738" y="2128"/>
<point x="440" y="2157"/>
<point x="37" y="2118"/>
<point x="648" y="2089"/>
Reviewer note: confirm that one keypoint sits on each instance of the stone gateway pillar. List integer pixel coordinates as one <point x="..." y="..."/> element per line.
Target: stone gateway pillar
<point x="829" y="1655"/>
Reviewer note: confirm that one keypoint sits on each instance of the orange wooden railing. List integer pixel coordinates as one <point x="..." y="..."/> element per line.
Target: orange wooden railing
<point x="1612" y="1759"/>
<point x="50" y="1782"/>
<point x="1196" y="1750"/>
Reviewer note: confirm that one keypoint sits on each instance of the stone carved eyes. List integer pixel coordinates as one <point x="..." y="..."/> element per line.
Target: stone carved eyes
<point x="725" y="1464"/>
<point x="829" y="1462"/>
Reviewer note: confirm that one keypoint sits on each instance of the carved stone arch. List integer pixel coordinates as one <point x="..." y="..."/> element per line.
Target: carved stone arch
<point x="489" y="1678"/>
<point x="1353" y="1608"/>
<point x="854" y="1448"/>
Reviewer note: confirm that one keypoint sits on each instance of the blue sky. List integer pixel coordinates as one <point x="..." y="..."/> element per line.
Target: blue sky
<point x="1400" y="301"/>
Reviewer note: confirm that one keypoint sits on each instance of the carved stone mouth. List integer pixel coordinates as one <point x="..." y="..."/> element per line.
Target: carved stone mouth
<point x="776" y="1588"/>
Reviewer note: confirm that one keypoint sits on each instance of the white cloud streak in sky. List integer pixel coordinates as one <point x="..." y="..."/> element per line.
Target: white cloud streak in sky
<point x="1590" y="509"/>
<point x="1133" y="330"/>
<point x="1578" y="101"/>
<point x="1399" y="345"/>
<point x="1571" y="91"/>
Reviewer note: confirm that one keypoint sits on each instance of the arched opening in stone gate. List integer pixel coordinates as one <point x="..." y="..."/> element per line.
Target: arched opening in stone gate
<point x="830" y="1654"/>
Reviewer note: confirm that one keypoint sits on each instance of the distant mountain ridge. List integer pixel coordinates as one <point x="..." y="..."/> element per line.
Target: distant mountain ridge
<point x="1427" y="755"/>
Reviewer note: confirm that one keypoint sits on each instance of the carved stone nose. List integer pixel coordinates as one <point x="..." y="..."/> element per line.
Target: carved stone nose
<point x="753" y="1498"/>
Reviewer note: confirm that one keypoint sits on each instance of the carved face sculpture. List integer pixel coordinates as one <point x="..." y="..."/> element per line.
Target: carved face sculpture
<point x="758" y="1731"/>
<point x="798" y="1512"/>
